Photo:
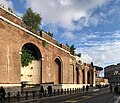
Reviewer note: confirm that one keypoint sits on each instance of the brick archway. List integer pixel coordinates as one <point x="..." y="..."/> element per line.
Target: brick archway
<point x="58" y="71"/>
<point x="34" y="49"/>
<point x="32" y="74"/>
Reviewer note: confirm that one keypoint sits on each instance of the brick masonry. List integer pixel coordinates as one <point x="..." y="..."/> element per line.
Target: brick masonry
<point x="12" y="40"/>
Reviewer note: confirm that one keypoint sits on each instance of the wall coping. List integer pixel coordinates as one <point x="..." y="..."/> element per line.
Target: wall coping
<point x="48" y="35"/>
<point x="10" y="13"/>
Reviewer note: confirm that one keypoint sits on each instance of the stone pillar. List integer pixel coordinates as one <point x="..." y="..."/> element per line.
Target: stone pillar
<point x="91" y="77"/>
<point x="80" y="76"/>
<point x="94" y="76"/>
<point x="85" y="74"/>
<point x="74" y="74"/>
<point x="71" y="74"/>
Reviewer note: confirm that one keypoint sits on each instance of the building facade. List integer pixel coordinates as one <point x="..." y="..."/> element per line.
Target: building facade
<point x="85" y="72"/>
<point x="56" y="65"/>
<point x="112" y="72"/>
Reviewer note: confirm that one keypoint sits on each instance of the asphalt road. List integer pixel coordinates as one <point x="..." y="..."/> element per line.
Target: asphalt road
<point x="101" y="96"/>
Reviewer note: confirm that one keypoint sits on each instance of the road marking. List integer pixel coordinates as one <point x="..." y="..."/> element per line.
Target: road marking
<point x="81" y="98"/>
<point x="70" y="101"/>
<point x="77" y="99"/>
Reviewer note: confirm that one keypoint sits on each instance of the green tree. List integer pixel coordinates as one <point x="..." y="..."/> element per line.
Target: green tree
<point x="9" y="9"/>
<point x="26" y="57"/>
<point x="72" y="49"/>
<point x="67" y="45"/>
<point x="79" y="54"/>
<point x="50" y="34"/>
<point x="32" y="19"/>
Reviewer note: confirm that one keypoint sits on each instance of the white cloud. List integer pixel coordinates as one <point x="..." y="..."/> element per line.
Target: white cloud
<point x="64" y="12"/>
<point x="113" y="10"/>
<point x="116" y="34"/>
<point x="117" y="1"/>
<point x="68" y="35"/>
<point x="9" y="3"/>
<point x="6" y="3"/>
<point x="86" y="58"/>
<point x="19" y="14"/>
<point x="94" y="20"/>
<point x="103" y="55"/>
<point x="65" y="2"/>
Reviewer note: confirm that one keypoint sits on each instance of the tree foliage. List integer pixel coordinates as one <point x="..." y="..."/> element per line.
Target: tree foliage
<point x="98" y="68"/>
<point x="72" y="49"/>
<point x="67" y="45"/>
<point x="32" y="19"/>
<point x="79" y="54"/>
<point x="92" y="64"/>
<point x="50" y="34"/>
<point x="9" y="9"/>
<point x="26" y="57"/>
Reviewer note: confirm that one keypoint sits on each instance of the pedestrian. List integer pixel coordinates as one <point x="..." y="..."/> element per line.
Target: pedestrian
<point x="87" y="88"/>
<point x="2" y="93"/>
<point x="116" y="89"/>
<point x="111" y="88"/>
<point x="22" y="86"/>
<point x="42" y="91"/>
<point x="99" y="86"/>
<point x="49" y="90"/>
<point x="83" y="88"/>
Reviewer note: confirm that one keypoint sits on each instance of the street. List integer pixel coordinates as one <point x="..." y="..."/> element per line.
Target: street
<point x="101" y="96"/>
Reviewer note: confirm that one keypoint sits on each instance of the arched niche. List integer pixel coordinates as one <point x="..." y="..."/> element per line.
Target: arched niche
<point x="32" y="73"/>
<point x="58" y="71"/>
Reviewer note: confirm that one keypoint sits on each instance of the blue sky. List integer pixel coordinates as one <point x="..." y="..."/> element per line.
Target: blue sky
<point x="93" y="26"/>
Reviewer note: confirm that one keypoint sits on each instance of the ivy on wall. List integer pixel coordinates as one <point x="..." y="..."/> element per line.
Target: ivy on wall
<point x="26" y="57"/>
